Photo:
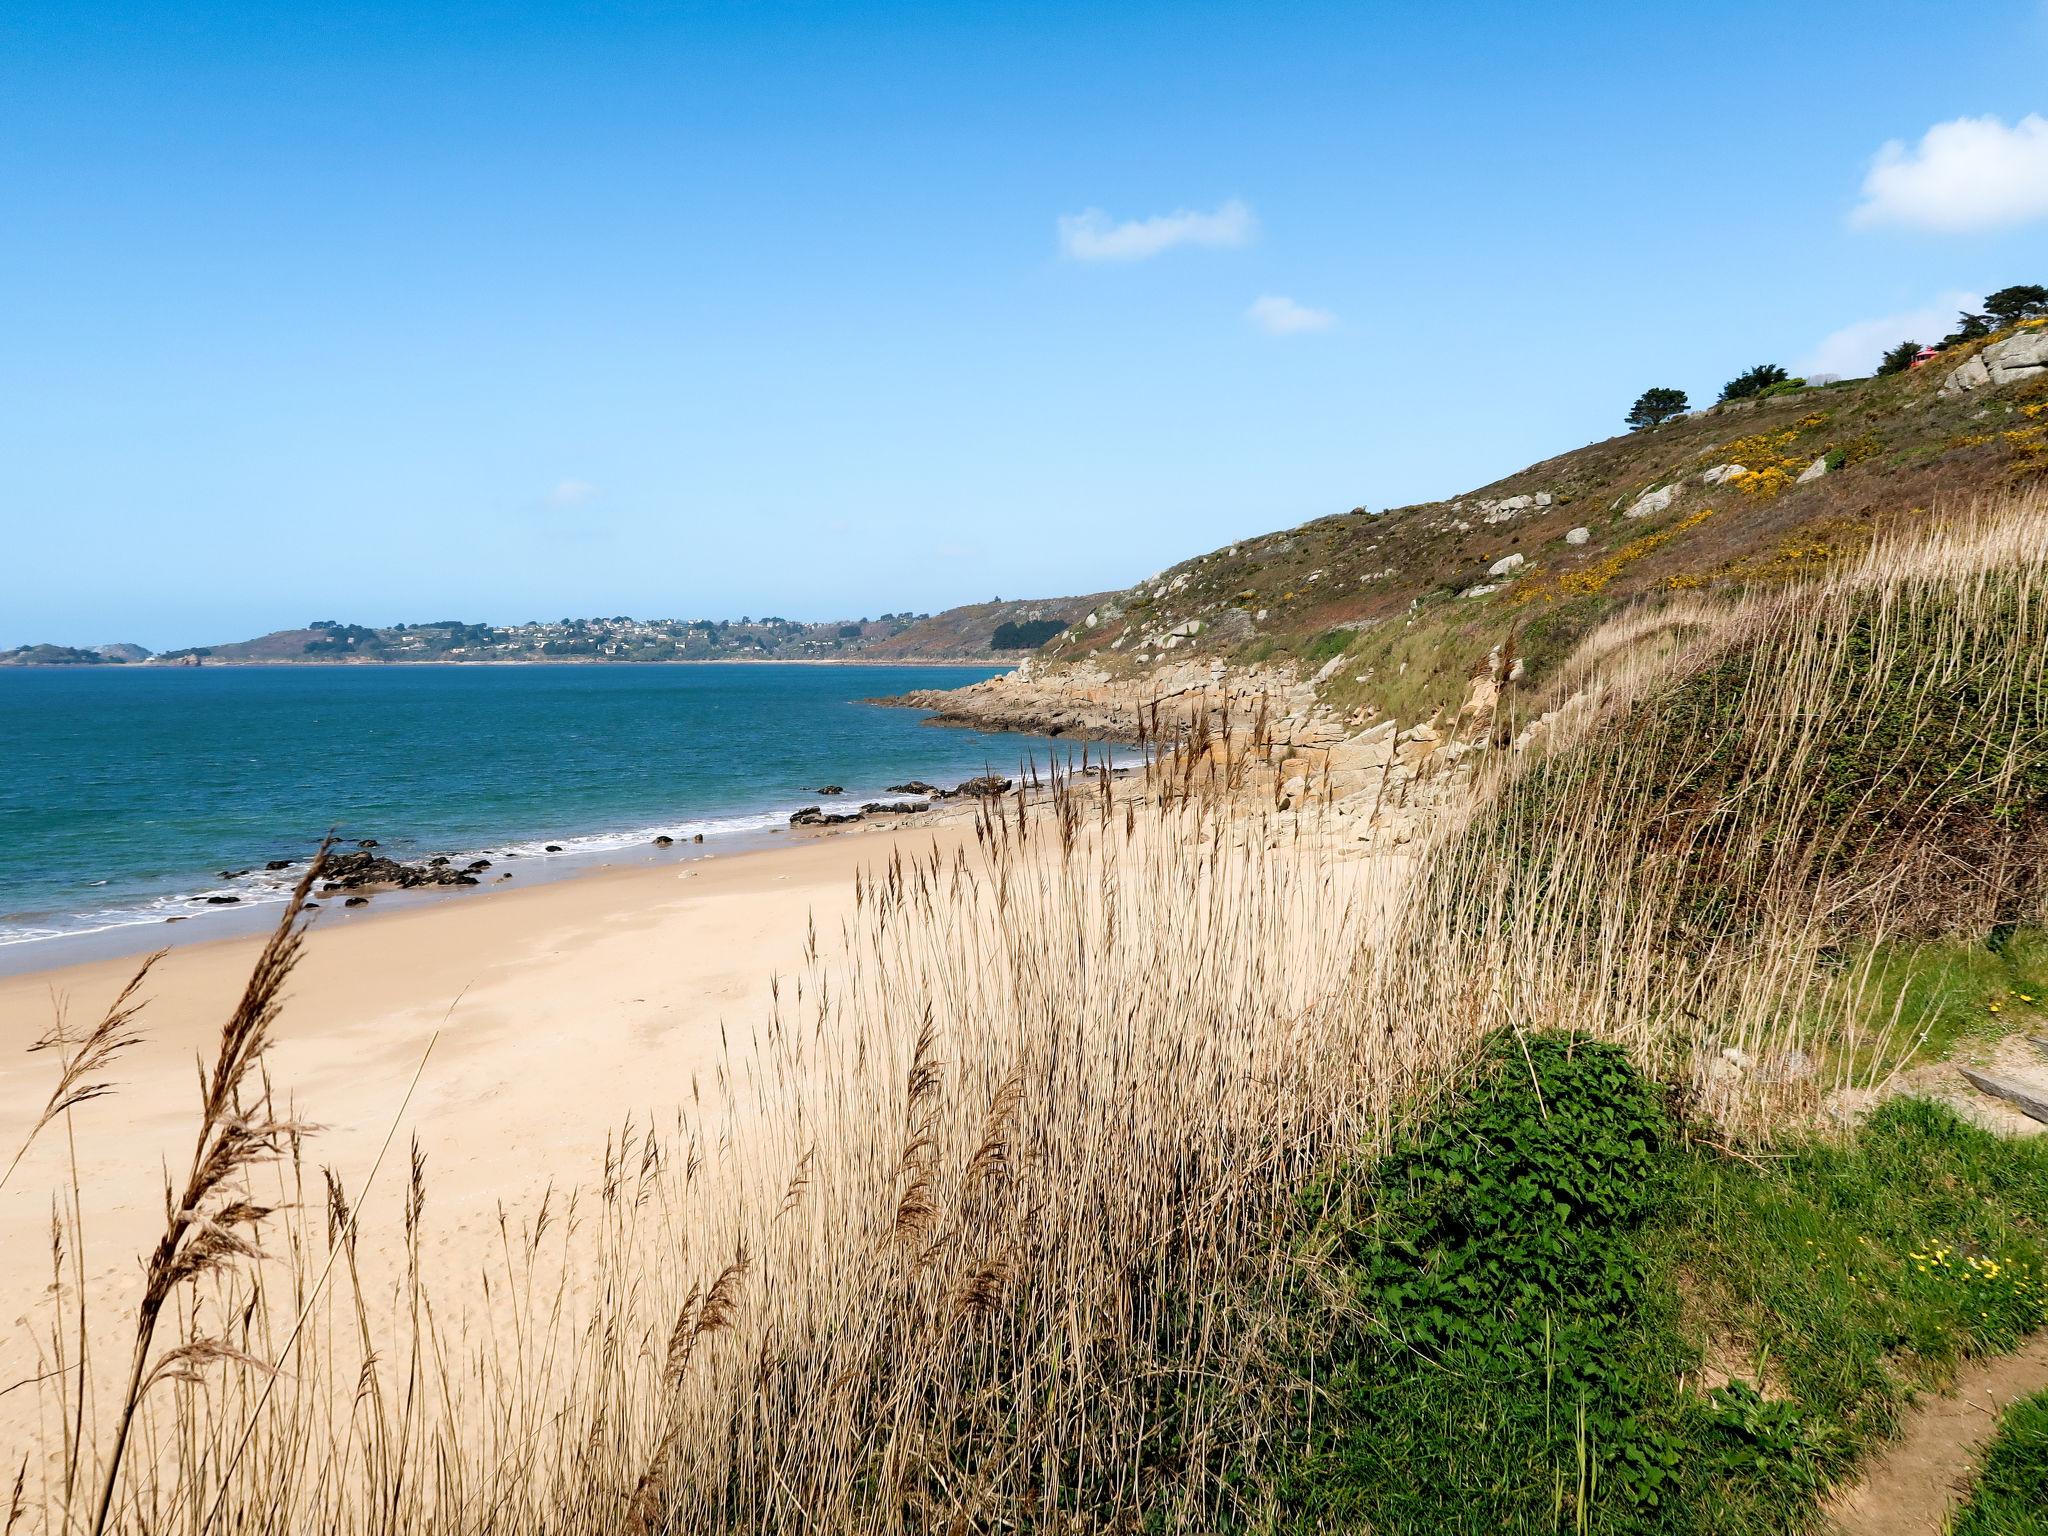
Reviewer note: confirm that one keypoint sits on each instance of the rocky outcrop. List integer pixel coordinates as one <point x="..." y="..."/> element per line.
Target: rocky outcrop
<point x="817" y="816"/>
<point x="2020" y="357"/>
<point x="1505" y="509"/>
<point x="986" y="786"/>
<point x="1650" y="503"/>
<point x="363" y="869"/>
<point x="1086" y="700"/>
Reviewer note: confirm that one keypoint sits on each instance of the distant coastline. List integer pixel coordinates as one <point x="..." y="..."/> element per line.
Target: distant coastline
<point x="977" y="634"/>
<point x="984" y="659"/>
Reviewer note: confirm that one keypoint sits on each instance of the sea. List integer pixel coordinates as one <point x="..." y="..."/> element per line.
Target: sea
<point x="130" y="795"/>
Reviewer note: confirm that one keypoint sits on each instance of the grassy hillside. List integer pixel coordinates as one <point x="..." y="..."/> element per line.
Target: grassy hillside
<point x="973" y="630"/>
<point x="1409" y="598"/>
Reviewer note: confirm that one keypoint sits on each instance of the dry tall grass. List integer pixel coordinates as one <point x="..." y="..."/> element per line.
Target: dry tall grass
<point x="972" y="1232"/>
<point x="935" y="1244"/>
<point x="1742" y="799"/>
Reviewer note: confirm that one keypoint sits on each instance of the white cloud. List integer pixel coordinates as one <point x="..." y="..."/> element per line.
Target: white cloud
<point x="1090" y="236"/>
<point x="1972" y="173"/>
<point x="1278" y="316"/>
<point x="1855" y="349"/>
<point x="571" y="493"/>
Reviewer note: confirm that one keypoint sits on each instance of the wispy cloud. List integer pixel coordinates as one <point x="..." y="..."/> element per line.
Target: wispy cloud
<point x="1278" y="316"/>
<point x="571" y="493"/>
<point x="1972" y="173"/>
<point x="1856" y="348"/>
<point x="1091" y="236"/>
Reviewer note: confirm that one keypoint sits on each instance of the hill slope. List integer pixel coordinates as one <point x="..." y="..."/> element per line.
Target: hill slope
<point x="1391" y="614"/>
<point x="974" y="630"/>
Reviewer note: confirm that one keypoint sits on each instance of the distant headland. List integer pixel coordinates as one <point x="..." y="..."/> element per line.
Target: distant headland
<point x="974" y="632"/>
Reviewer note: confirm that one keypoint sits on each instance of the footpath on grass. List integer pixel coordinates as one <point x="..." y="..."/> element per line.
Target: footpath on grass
<point x="1918" y="1481"/>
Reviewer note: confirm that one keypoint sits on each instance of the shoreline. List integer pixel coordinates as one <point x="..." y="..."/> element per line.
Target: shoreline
<point x="250" y="918"/>
<point x="144" y="911"/>
<point x="527" y="661"/>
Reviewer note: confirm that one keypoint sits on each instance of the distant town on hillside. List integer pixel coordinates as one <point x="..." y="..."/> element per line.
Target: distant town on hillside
<point x="994" y="630"/>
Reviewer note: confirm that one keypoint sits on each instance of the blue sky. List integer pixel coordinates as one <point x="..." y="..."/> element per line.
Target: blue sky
<point x="506" y="312"/>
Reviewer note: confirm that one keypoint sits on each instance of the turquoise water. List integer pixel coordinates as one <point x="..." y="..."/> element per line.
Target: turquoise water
<point x="127" y="790"/>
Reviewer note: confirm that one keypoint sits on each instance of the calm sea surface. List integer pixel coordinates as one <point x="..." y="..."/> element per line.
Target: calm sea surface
<point x="125" y="791"/>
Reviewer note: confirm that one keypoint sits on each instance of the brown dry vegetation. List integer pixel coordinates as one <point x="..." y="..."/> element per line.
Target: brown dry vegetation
<point x="974" y="1232"/>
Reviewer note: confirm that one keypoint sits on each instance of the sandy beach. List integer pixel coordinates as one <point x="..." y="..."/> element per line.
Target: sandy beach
<point x="562" y="1009"/>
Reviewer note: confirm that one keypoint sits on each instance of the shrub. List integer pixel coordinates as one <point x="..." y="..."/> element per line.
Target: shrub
<point x="1027" y="635"/>
<point x="1489" y="1354"/>
<point x="1752" y="382"/>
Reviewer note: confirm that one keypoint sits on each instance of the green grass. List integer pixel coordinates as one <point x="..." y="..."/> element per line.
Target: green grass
<point x="2011" y="1495"/>
<point x="1953" y="994"/>
<point x="1501" y="1325"/>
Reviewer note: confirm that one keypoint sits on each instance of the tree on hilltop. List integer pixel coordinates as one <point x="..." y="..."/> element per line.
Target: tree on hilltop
<point x="1753" y="381"/>
<point x="1654" y="407"/>
<point x="1898" y="359"/>
<point x="1969" y="327"/>
<point x="2022" y="301"/>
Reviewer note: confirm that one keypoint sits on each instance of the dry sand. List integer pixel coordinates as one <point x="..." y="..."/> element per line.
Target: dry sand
<point x="563" y="1009"/>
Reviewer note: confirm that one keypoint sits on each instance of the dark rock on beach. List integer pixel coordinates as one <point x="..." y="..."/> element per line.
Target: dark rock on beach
<point x="362" y="870"/>
<point x="831" y="789"/>
<point x="222" y="901"/>
<point x="280" y="863"/>
<point x="895" y="807"/>
<point x="817" y="816"/>
<point x="987" y="785"/>
<point x="914" y="787"/>
<point x="664" y="841"/>
<point x="476" y="864"/>
<point x="357" y="901"/>
<point x="552" y="848"/>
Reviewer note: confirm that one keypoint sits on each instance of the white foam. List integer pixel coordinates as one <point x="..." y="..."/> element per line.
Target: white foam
<point x="263" y="887"/>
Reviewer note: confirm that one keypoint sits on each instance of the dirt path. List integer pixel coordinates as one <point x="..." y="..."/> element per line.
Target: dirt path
<point x="1911" y="1488"/>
